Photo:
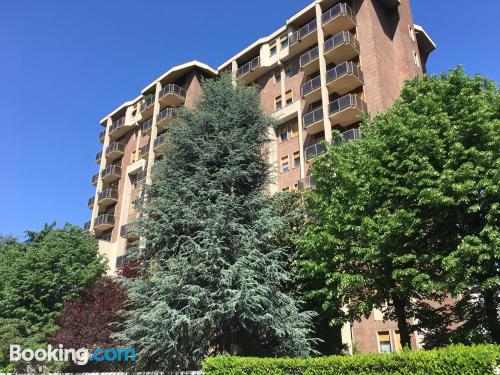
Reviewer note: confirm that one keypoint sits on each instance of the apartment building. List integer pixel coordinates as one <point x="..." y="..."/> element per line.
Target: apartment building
<point x="318" y="73"/>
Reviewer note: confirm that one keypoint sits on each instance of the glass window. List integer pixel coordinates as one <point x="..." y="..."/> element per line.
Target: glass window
<point x="284" y="41"/>
<point x="277" y="103"/>
<point x="296" y="159"/>
<point x="384" y="341"/>
<point x="284" y="164"/>
<point x="288" y="70"/>
<point x="277" y="76"/>
<point x="273" y="49"/>
<point x="289" y="97"/>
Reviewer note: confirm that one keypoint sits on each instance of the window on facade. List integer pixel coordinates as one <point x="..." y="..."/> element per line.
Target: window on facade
<point x="284" y="41"/>
<point x="289" y="130"/>
<point x="288" y="70"/>
<point x="277" y="103"/>
<point x="284" y="134"/>
<point x="285" y="167"/>
<point x="384" y="342"/>
<point x="296" y="159"/>
<point x="417" y="60"/>
<point x="277" y="76"/>
<point x="289" y="97"/>
<point x="272" y="48"/>
<point x="295" y="128"/>
<point x="412" y="34"/>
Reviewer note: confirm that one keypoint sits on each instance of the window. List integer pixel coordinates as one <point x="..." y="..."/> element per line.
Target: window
<point x="277" y="76"/>
<point x="417" y="60"/>
<point x="295" y="128"/>
<point x="277" y="103"/>
<point x="289" y="130"/>
<point x="296" y="159"/>
<point x="284" y="133"/>
<point x="285" y="167"/>
<point x="412" y="34"/>
<point x="384" y="342"/>
<point x="272" y="48"/>
<point x="288" y="70"/>
<point x="289" y="97"/>
<point x="284" y="41"/>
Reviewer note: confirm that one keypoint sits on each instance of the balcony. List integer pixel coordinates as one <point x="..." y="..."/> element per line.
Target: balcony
<point x="147" y="126"/>
<point x="121" y="261"/>
<point x="172" y="95"/>
<point x="344" y="78"/>
<point x="144" y="151"/>
<point x="111" y="173"/>
<point x="159" y="144"/>
<point x="341" y="47"/>
<point x="107" y="197"/>
<point x="311" y="90"/>
<point x="249" y="71"/>
<point x="147" y="106"/>
<point x="94" y="179"/>
<point x="308" y="182"/>
<point x="102" y="135"/>
<point x="304" y="37"/>
<point x="114" y="151"/>
<point x="313" y="121"/>
<point x="103" y="222"/>
<point x="350" y="135"/>
<point x="338" y="18"/>
<point x="126" y="231"/>
<point x="90" y="203"/>
<point x="86" y="226"/>
<point x="309" y="61"/>
<point x="141" y="176"/>
<point x="119" y="128"/>
<point x="346" y="110"/>
<point x="164" y="118"/>
<point x="313" y="151"/>
<point x="98" y="157"/>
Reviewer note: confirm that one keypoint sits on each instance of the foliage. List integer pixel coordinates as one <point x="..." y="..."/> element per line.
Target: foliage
<point x="481" y="359"/>
<point x="409" y="213"/>
<point x="212" y="280"/>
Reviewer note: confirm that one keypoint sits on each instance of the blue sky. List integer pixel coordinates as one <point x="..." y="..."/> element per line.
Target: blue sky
<point x="66" y="64"/>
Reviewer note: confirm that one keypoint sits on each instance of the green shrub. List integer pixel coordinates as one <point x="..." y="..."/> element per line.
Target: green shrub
<point x="456" y="359"/>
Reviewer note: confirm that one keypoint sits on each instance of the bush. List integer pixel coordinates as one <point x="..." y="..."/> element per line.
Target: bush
<point x="456" y="359"/>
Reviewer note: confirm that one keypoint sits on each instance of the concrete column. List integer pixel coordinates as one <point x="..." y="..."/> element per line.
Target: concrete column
<point x="154" y="132"/>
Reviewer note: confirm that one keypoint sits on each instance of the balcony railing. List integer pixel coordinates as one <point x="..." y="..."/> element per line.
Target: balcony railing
<point x="313" y="117"/>
<point x="165" y="113"/>
<point x="108" y="194"/>
<point x="304" y="31"/>
<point x="127" y="231"/>
<point x="147" y="103"/>
<point x="314" y="150"/>
<point x="350" y="135"/>
<point x="104" y="220"/>
<point x="147" y="125"/>
<point x="91" y="201"/>
<point x="95" y="178"/>
<point x="141" y="176"/>
<point x="309" y="56"/>
<point x="347" y="101"/>
<point x="111" y="170"/>
<point x="308" y="182"/>
<point x="115" y="147"/>
<point x="117" y="125"/>
<point x="311" y="85"/>
<point x="172" y="88"/>
<point x="160" y="140"/>
<point x="101" y="136"/>
<point x="144" y="150"/>
<point x="336" y="11"/>
<point x="343" y="37"/>
<point x="344" y="69"/>
<point x="98" y="157"/>
<point x="248" y="67"/>
<point x="121" y="261"/>
<point x="86" y="226"/>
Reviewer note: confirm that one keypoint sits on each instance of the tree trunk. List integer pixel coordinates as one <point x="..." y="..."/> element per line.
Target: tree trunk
<point x="491" y="307"/>
<point x="404" y="329"/>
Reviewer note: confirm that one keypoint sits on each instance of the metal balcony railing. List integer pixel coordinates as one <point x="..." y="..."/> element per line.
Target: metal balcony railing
<point x="336" y="11"/>
<point x="147" y="103"/>
<point x="117" y="124"/>
<point x="308" y="182"/>
<point x="127" y="230"/>
<point x="165" y="113"/>
<point x="115" y="146"/>
<point x="309" y="56"/>
<point x="104" y="219"/>
<point x="144" y="150"/>
<point x="147" y="125"/>
<point x="107" y="194"/>
<point x="344" y="37"/>
<point x="95" y="178"/>
<point x="91" y="201"/>
<point x="248" y="67"/>
<point x="172" y="88"/>
<point x="350" y="135"/>
<point x="314" y="150"/>
<point x="98" y="157"/>
<point x="111" y="170"/>
<point x="141" y="176"/>
<point x="311" y="85"/>
<point x="101" y="136"/>
<point x="121" y="261"/>
<point x="343" y="69"/>
<point x="86" y="226"/>
<point x="304" y="31"/>
<point x="347" y="101"/>
<point x="313" y="117"/>
<point x="160" y="140"/>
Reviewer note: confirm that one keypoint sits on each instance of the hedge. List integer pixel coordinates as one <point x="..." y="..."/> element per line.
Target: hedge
<point x="455" y="359"/>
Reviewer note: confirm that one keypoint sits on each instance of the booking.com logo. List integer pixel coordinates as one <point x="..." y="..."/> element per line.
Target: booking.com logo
<point x="79" y="356"/>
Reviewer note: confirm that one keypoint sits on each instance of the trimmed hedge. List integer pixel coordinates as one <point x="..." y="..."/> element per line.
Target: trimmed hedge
<point x="455" y="359"/>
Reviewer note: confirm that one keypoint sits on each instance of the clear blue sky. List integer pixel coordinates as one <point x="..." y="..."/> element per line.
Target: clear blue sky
<point x="66" y="64"/>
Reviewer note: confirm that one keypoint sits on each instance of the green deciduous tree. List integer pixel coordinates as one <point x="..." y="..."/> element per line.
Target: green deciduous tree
<point x="410" y="212"/>
<point x="212" y="276"/>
